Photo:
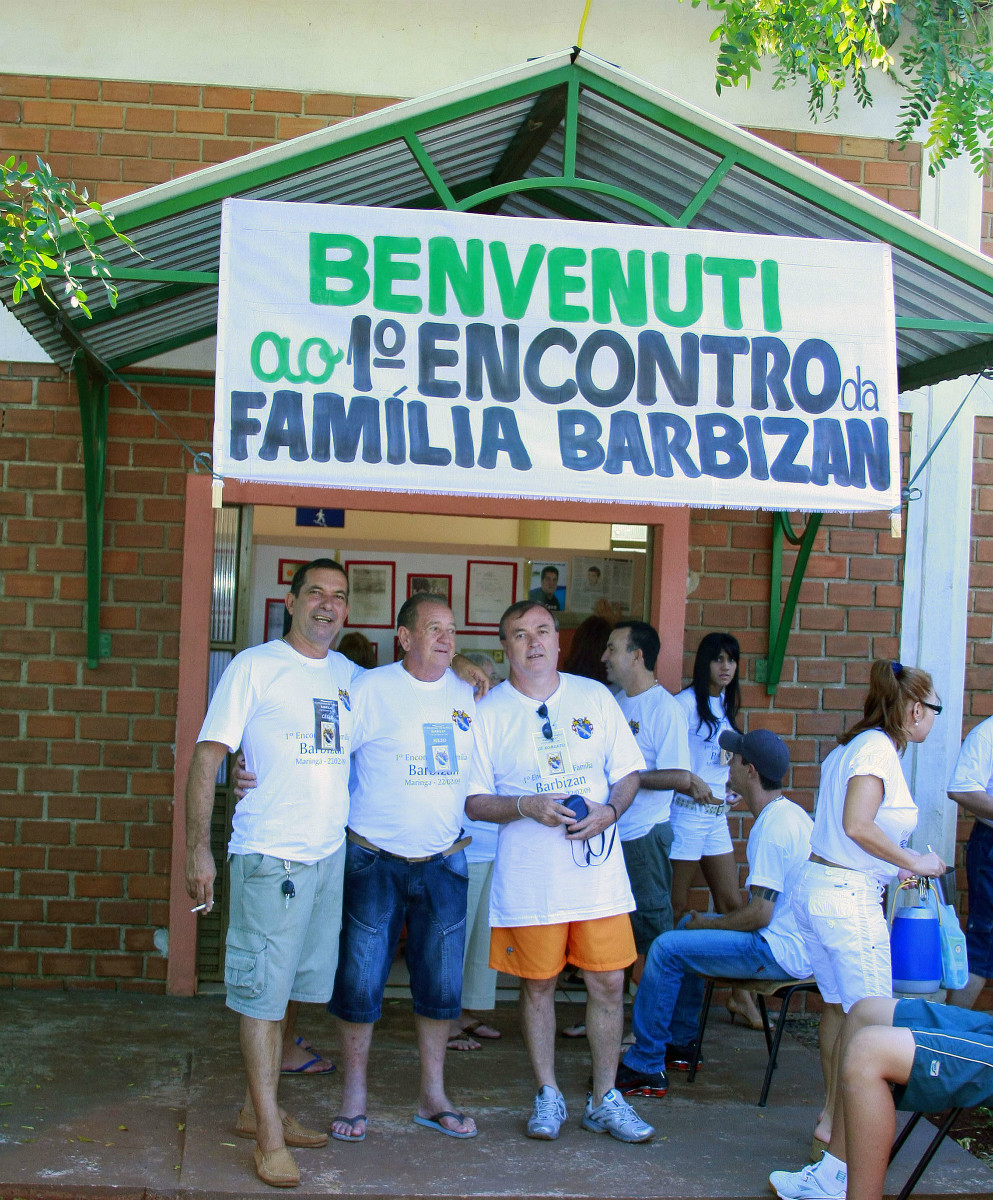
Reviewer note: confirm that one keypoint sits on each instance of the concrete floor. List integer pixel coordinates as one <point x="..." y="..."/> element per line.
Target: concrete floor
<point x="118" y="1095"/>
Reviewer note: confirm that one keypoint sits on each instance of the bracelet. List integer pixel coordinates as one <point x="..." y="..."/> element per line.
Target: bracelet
<point x="519" y="799"/>
<point x="614" y="811"/>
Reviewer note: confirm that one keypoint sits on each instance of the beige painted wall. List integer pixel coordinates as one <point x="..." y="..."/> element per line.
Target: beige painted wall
<point x="380" y="529"/>
<point x="400" y="48"/>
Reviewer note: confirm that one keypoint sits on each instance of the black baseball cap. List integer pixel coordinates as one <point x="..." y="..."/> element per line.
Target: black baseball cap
<point x="765" y="750"/>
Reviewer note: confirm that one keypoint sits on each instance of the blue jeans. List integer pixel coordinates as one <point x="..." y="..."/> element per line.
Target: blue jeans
<point x="979" y="927"/>
<point x="667" y="1006"/>
<point x="382" y="892"/>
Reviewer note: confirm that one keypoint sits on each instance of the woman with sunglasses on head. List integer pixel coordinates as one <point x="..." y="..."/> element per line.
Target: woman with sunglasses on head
<point x="700" y="834"/>
<point x="863" y="820"/>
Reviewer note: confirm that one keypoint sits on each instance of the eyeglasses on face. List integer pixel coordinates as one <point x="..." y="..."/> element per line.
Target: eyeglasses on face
<point x="935" y="708"/>
<point x="546" y="727"/>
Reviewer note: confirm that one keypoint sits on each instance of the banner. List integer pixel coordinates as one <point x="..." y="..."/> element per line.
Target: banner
<point x="421" y="351"/>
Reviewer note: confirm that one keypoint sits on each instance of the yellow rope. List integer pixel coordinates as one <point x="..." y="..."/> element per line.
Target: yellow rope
<point x="582" y="25"/>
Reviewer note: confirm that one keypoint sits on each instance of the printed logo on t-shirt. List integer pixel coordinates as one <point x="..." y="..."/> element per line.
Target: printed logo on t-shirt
<point x="344" y="697"/>
<point x="439" y="750"/>
<point x="461" y="719"/>
<point x="583" y="726"/>
<point x="327" y="735"/>
<point x="935" y="1068"/>
<point x="635" y="726"/>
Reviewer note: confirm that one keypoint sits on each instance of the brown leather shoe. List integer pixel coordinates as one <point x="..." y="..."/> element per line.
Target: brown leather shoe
<point x="294" y="1134"/>
<point x="277" y="1168"/>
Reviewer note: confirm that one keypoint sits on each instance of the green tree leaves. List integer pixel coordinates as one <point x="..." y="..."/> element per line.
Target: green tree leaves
<point x="939" y="51"/>
<point x="33" y="202"/>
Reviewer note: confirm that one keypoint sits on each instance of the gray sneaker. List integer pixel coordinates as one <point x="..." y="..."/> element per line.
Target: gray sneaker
<point x="615" y="1116"/>
<point x="547" y="1115"/>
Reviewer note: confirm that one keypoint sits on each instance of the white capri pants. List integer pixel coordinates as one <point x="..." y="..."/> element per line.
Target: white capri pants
<point x="840" y="917"/>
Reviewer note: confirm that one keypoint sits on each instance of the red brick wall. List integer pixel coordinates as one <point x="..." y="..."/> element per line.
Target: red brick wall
<point x="883" y="168"/>
<point x="85" y="757"/>
<point x="118" y="137"/>
<point x="87" y="760"/>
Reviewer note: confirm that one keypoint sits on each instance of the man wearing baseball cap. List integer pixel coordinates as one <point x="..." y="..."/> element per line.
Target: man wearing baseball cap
<point x="755" y="942"/>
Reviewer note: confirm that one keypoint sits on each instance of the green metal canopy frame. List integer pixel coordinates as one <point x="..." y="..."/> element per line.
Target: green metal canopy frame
<point x="567" y="136"/>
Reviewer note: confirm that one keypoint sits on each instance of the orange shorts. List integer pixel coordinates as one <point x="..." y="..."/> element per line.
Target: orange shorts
<point x="541" y="951"/>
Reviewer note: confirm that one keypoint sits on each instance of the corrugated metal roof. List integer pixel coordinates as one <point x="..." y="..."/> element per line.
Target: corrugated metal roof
<point x="644" y="154"/>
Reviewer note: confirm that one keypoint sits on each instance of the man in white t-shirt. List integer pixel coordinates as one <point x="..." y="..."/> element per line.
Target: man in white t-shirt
<point x="971" y="787"/>
<point x="560" y="892"/>
<point x="659" y="728"/>
<point x="759" y="940"/>
<point x="286" y="703"/>
<point x="405" y="860"/>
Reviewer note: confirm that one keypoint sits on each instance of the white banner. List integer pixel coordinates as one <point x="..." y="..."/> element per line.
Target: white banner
<point x="420" y="351"/>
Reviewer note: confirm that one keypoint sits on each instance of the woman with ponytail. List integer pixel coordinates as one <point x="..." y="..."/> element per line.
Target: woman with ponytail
<point x="863" y="820"/>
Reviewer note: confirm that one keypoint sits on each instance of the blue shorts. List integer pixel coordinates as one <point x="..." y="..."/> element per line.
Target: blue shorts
<point x="382" y="892"/>
<point x="953" y="1062"/>
<point x="979" y="927"/>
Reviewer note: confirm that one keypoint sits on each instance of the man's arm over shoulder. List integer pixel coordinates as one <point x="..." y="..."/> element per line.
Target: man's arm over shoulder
<point x="200" y="869"/>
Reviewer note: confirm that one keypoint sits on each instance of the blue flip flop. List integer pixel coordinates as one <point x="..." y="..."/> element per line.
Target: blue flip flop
<point x="434" y="1122"/>
<point x="307" y="1067"/>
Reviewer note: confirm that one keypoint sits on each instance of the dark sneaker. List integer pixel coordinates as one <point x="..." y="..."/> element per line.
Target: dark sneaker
<point x="678" y="1058"/>
<point x="640" y="1083"/>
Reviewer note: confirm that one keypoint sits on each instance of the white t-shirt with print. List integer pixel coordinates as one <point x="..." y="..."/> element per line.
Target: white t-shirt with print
<point x="412" y="742"/>
<point x="291" y="716"/>
<point x="870" y="753"/>
<point x="537" y="878"/>
<point x="777" y="851"/>
<point x="707" y="759"/>
<point x="974" y="765"/>
<point x="659" y="727"/>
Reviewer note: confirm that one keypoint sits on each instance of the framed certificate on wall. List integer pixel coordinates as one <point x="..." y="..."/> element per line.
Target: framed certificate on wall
<point x="491" y="587"/>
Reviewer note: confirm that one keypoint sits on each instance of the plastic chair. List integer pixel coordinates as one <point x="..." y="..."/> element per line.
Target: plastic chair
<point x="783" y="989"/>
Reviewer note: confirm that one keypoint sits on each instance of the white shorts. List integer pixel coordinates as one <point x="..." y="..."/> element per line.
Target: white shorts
<point x="697" y="834"/>
<point x="840" y="918"/>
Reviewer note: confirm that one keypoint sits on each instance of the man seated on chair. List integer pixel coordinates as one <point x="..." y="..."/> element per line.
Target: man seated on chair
<point x="934" y="1056"/>
<point x="759" y="941"/>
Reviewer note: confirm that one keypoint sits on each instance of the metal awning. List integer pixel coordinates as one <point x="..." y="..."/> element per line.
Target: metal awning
<point x="567" y="135"/>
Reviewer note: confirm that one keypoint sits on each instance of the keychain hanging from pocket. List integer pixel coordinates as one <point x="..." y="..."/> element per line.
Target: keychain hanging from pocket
<point x="287" y="887"/>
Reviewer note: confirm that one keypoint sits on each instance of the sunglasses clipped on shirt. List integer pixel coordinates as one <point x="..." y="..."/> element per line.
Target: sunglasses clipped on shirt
<point x="546" y="728"/>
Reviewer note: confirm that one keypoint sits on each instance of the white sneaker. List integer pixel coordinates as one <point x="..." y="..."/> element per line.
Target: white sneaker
<point x="809" y="1183"/>
<point x="615" y="1116"/>
<point x="547" y="1115"/>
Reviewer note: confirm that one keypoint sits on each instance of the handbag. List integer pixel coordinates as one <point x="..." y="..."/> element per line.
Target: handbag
<point x="954" y="959"/>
